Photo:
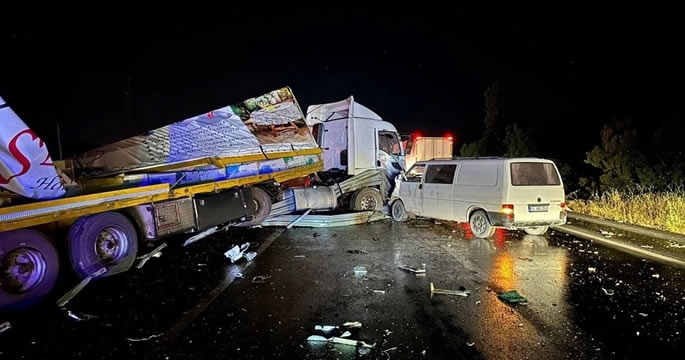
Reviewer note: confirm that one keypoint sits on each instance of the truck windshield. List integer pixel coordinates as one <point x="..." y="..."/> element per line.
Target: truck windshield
<point x="389" y="142"/>
<point x="532" y="173"/>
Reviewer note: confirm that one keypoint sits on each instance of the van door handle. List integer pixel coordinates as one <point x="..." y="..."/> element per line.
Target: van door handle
<point x="420" y="186"/>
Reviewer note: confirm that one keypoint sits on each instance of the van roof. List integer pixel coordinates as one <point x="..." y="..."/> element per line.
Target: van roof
<point x="486" y="158"/>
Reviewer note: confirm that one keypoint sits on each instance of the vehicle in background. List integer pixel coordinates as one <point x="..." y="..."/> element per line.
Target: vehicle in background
<point x="419" y="148"/>
<point x="512" y="193"/>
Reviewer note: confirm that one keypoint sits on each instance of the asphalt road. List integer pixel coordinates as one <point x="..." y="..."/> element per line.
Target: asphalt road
<point x="583" y="301"/>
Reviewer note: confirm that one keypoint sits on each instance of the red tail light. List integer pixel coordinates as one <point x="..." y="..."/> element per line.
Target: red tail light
<point x="508" y="212"/>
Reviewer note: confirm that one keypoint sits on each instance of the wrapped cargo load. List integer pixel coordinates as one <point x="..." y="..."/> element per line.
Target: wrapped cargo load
<point x="255" y="128"/>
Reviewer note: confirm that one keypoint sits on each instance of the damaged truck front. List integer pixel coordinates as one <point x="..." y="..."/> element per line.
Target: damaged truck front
<point x="362" y="155"/>
<point x="222" y="168"/>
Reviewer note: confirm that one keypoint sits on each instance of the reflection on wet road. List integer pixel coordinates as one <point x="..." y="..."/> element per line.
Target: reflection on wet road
<point x="584" y="301"/>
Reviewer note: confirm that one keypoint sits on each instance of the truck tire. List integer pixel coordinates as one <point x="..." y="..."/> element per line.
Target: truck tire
<point x="263" y="203"/>
<point x="102" y="240"/>
<point x="399" y="213"/>
<point x="480" y="225"/>
<point x="536" y="230"/>
<point x="29" y="266"/>
<point x="366" y="199"/>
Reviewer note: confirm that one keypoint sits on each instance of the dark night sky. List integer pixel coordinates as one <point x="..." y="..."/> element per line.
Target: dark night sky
<point x="105" y="74"/>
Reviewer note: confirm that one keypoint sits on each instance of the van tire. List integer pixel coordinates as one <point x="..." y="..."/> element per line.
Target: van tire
<point x="397" y="210"/>
<point x="480" y="225"/>
<point x="263" y="203"/>
<point x="367" y="199"/>
<point x="536" y="230"/>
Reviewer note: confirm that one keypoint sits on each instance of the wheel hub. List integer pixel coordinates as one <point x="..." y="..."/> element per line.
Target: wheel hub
<point x="111" y="245"/>
<point x="22" y="269"/>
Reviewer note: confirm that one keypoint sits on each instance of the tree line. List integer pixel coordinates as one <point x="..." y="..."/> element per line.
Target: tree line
<point x="624" y="158"/>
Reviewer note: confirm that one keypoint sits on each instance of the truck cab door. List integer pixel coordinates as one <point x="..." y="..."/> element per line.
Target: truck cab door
<point x="332" y="139"/>
<point x="390" y="155"/>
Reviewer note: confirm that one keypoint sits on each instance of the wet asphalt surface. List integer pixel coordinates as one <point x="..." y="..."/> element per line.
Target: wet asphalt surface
<point x="584" y="301"/>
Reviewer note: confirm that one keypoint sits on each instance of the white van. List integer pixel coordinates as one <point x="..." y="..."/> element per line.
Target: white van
<point x="511" y="193"/>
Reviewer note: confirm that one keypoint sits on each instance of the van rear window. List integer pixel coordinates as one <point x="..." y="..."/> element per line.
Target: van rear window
<point x="525" y="173"/>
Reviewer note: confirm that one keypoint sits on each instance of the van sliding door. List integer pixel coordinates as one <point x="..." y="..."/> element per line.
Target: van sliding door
<point x="436" y="195"/>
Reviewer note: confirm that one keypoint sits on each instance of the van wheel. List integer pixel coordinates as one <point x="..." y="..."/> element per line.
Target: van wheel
<point x="536" y="230"/>
<point x="262" y="203"/>
<point x="106" y="239"/>
<point x="399" y="213"/>
<point x="29" y="266"/>
<point x="366" y="199"/>
<point x="480" y="225"/>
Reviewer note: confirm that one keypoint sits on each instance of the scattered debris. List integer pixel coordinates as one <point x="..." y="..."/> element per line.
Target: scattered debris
<point x="144" y="339"/>
<point x="239" y="275"/>
<point x="203" y="234"/>
<point x="463" y="293"/>
<point x="591" y="270"/>
<point x="5" y="326"/>
<point x="656" y="276"/>
<point x="346" y="334"/>
<point x="413" y="269"/>
<point x="525" y="258"/>
<point x="513" y="297"/>
<point x="299" y="256"/>
<point x="608" y="292"/>
<point x="470" y="343"/>
<point x="77" y="289"/>
<point x="676" y="245"/>
<point x="643" y="314"/>
<point x="359" y="271"/>
<point x="357" y="252"/>
<point x="647" y="246"/>
<point x="379" y="291"/>
<point x="606" y="233"/>
<point x="157" y="252"/>
<point x="80" y="317"/>
<point x="260" y="279"/>
<point x="236" y="253"/>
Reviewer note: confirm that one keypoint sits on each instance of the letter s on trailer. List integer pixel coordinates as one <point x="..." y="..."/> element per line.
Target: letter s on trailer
<point x="221" y="168"/>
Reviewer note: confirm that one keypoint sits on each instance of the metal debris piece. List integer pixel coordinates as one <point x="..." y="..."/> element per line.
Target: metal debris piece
<point x="250" y="255"/>
<point x="203" y="234"/>
<point x="73" y="292"/>
<point x="346" y="334"/>
<point x="298" y="219"/>
<point x="338" y="340"/>
<point x="5" y="326"/>
<point x="144" y="339"/>
<point x="591" y="270"/>
<point x="463" y="293"/>
<point x="299" y="256"/>
<point x="237" y="252"/>
<point x="608" y="292"/>
<point x="80" y="317"/>
<point x="260" y="279"/>
<point x="326" y="220"/>
<point x="325" y="328"/>
<point x="157" y="252"/>
<point x="470" y="343"/>
<point x="379" y="291"/>
<point x="352" y="325"/>
<point x="413" y="269"/>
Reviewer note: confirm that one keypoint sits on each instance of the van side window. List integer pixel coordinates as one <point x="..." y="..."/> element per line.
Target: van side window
<point x="415" y="174"/>
<point x="477" y="175"/>
<point x="440" y="174"/>
<point x="534" y="174"/>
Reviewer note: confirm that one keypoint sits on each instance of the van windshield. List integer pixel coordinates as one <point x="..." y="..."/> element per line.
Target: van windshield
<point x="527" y="173"/>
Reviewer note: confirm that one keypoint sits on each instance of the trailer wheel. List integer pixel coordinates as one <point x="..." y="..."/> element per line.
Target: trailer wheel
<point x="102" y="240"/>
<point x="480" y="225"/>
<point x="366" y="199"/>
<point x="399" y="213"/>
<point x="536" y="230"/>
<point x="263" y="204"/>
<point x="29" y="266"/>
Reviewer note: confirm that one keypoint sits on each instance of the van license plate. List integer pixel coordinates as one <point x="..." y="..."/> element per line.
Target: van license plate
<point x="538" y="208"/>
